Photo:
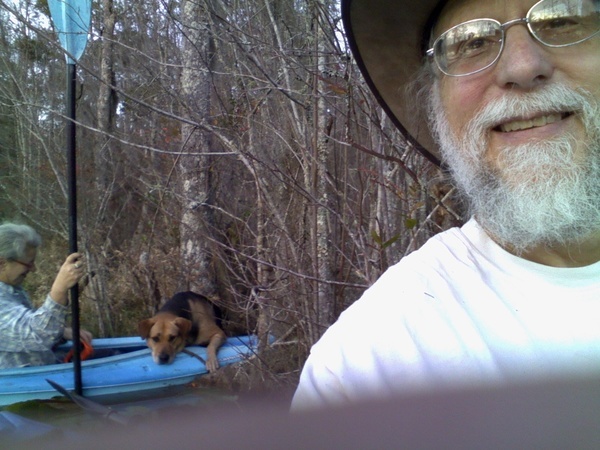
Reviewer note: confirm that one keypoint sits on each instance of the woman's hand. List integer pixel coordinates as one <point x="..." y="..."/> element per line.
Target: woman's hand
<point x="68" y="275"/>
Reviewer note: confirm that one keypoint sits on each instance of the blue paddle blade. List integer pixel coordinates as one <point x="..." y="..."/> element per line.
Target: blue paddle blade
<point x="71" y="20"/>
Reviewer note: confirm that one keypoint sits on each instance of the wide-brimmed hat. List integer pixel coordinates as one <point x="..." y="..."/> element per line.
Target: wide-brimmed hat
<point x="387" y="40"/>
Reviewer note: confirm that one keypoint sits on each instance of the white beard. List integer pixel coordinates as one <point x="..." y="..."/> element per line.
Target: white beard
<point x="539" y="193"/>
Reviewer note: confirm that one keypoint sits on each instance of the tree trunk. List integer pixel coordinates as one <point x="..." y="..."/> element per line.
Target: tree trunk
<point x="324" y="294"/>
<point x="103" y="164"/>
<point x="197" y="191"/>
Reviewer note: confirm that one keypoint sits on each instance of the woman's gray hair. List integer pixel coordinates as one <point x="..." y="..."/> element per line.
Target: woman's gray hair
<point x="15" y="239"/>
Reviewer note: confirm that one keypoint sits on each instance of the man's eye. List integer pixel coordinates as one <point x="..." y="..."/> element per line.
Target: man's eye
<point x="556" y="23"/>
<point x="473" y="47"/>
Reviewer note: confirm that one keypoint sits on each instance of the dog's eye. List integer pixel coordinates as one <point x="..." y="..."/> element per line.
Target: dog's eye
<point x="155" y="338"/>
<point x="172" y="338"/>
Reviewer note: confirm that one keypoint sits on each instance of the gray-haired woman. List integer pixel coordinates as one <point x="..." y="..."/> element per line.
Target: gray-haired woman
<point x="27" y="335"/>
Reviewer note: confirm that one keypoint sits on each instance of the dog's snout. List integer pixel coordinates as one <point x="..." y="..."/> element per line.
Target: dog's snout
<point x="163" y="358"/>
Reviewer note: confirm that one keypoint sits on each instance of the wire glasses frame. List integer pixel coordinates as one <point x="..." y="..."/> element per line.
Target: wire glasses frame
<point x="473" y="46"/>
<point x="29" y="266"/>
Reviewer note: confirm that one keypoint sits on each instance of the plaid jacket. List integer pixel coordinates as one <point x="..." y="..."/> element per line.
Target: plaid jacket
<point x="28" y="335"/>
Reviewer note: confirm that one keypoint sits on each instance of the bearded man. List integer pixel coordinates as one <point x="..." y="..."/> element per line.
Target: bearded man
<point x="512" y="89"/>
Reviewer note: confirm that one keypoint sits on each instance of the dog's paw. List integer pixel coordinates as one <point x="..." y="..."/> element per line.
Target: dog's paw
<point x="212" y="364"/>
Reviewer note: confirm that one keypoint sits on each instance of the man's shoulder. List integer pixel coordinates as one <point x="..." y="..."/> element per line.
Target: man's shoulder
<point x="448" y="263"/>
<point x="443" y="250"/>
<point x="465" y="237"/>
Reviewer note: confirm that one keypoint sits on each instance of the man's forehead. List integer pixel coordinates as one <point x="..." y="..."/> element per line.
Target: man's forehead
<point x="457" y="11"/>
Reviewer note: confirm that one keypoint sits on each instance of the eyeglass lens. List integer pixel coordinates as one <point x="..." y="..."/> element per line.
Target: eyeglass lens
<point x="475" y="45"/>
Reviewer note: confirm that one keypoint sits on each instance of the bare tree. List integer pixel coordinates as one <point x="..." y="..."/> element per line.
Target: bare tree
<point x="196" y="179"/>
<point x="228" y="147"/>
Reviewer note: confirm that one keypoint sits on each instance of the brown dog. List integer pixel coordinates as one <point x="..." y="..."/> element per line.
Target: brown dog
<point x="186" y="319"/>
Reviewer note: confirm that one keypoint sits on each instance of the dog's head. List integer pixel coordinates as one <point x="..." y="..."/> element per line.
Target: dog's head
<point x="165" y="336"/>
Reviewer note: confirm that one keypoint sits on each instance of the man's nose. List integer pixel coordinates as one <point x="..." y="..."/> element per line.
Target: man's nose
<point x="525" y="63"/>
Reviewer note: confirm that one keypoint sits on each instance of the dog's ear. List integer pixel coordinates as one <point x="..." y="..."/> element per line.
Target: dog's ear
<point x="184" y="326"/>
<point x="144" y="327"/>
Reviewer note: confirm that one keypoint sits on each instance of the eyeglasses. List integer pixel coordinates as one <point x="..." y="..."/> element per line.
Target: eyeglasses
<point x="29" y="266"/>
<point x="475" y="45"/>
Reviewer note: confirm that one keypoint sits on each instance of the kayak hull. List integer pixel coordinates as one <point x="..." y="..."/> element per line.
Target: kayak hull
<point x="130" y="371"/>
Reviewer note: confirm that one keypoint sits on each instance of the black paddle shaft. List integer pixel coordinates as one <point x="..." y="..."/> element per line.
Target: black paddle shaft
<point x="72" y="195"/>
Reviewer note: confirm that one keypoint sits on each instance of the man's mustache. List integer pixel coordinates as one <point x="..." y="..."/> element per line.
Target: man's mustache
<point x="514" y="106"/>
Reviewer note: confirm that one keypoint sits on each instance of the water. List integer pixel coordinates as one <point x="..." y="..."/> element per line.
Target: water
<point x="67" y="418"/>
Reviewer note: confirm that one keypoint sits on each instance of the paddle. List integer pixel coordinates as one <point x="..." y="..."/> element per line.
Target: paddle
<point x="89" y="405"/>
<point x="71" y="20"/>
<point x="198" y="357"/>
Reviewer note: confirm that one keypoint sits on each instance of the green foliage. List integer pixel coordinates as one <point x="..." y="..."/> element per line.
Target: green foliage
<point x="384" y="244"/>
<point x="410" y="223"/>
<point x="31" y="50"/>
<point x="42" y="6"/>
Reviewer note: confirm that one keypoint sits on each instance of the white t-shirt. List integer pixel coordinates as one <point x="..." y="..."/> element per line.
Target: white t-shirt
<point x="460" y="311"/>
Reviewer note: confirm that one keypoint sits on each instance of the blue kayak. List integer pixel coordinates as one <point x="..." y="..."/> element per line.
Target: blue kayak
<point x="129" y="369"/>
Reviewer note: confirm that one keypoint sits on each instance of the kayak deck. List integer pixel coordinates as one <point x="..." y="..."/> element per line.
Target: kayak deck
<point x="130" y="370"/>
